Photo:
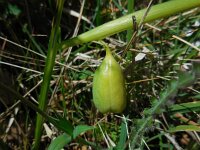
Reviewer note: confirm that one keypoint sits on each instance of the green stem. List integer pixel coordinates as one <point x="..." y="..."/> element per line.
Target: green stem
<point x="52" y="50"/>
<point x="130" y="10"/>
<point x="156" y="12"/>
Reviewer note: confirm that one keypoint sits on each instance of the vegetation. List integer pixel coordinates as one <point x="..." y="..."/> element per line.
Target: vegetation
<point x="46" y="77"/>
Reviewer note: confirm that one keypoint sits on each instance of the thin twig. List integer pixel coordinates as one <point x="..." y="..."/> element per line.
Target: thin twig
<point x="184" y="41"/>
<point x="28" y="49"/>
<point x="140" y="26"/>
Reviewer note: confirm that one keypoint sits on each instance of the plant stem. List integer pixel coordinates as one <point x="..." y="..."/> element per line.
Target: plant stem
<point x="52" y="50"/>
<point x="158" y="11"/>
<point x="130" y="10"/>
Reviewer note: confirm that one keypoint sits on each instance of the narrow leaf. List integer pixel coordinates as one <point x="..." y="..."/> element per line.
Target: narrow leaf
<point x="122" y="137"/>
<point x="81" y="129"/>
<point x="185" y="107"/>
<point x="185" y="128"/>
<point x="59" y="142"/>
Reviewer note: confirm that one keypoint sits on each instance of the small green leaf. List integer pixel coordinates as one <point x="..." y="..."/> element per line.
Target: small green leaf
<point x="185" y="128"/>
<point x="196" y="96"/>
<point x="59" y="142"/>
<point x="85" y="74"/>
<point x="64" y="125"/>
<point x="185" y="107"/>
<point x="186" y="79"/>
<point x="14" y="10"/>
<point x="196" y="68"/>
<point x="122" y="136"/>
<point x="81" y="129"/>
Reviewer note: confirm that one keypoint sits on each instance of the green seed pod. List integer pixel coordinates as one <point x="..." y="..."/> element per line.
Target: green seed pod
<point x="109" y="93"/>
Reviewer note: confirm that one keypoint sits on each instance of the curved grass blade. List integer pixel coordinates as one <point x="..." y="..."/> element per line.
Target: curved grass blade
<point x="49" y="64"/>
<point x="81" y="129"/>
<point x="59" y="142"/>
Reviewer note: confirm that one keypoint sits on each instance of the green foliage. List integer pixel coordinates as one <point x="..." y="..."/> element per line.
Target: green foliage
<point x="80" y="129"/>
<point x="184" y="128"/>
<point x="185" y="107"/>
<point x="123" y="136"/>
<point x="62" y="140"/>
<point x="50" y="61"/>
<point x="59" y="142"/>
<point x="184" y="79"/>
<point x="13" y="10"/>
<point x="84" y="74"/>
<point x="164" y="82"/>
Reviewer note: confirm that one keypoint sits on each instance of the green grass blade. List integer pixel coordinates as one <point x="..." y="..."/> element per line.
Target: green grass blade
<point x="184" y="128"/>
<point x="80" y="129"/>
<point x="52" y="51"/>
<point x="185" y="107"/>
<point x="98" y="16"/>
<point x="33" y="40"/>
<point x="62" y="140"/>
<point x="130" y="10"/>
<point x="156" y="12"/>
<point x="122" y="136"/>
<point x="59" y="142"/>
<point x="121" y="9"/>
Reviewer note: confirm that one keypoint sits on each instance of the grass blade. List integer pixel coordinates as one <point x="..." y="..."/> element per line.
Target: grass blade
<point x="59" y="142"/>
<point x="185" y="107"/>
<point x="80" y="129"/>
<point x="184" y="128"/>
<point x="122" y="136"/>
<point x="52" y="51"/>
